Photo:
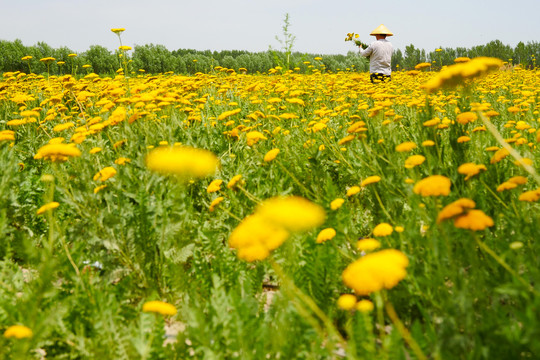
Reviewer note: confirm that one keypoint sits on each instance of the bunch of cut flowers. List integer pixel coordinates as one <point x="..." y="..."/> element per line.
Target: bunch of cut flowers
<point x="354" y="37"/>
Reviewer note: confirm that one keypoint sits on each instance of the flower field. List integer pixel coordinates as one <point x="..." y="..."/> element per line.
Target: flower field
<point x="271" y="216"/>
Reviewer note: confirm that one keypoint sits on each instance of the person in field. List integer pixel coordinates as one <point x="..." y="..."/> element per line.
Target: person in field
<point x="380" y="55"/>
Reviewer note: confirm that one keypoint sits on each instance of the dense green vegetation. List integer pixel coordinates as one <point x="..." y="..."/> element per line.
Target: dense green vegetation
<point x="158" y="59"/>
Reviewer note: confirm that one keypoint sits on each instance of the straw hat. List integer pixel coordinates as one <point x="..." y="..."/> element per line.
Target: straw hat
<point x="381" y="30"/>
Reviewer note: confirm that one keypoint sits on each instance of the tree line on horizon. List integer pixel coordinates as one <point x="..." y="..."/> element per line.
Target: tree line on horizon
<point x="154" y="59"/>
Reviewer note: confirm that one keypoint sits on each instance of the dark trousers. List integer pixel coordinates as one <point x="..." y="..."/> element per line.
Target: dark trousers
<point x="378" y="77"/>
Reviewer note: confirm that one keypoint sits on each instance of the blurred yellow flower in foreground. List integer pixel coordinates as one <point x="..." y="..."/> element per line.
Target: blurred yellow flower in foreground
<point x="336" y="203"/>
<point x="435" y="185"/>
<point x="414" y="160"/>
<point x="406" y="146"/>
<point x="325" y="235"/>
<point x="364" y="306"/>
<point x="272" y="223"/>
<point x="471" y="169"/>
<point x="18" y="331"/>
<point x="368" y="244"/>
<point x="57" y="152"/>
<point x="294" y="213"/>
<point x="456" y="74"/>
<point x="255" y="237"/>
<point x="215" y="203"/>
<point x="214" y="186"/>
<point x="159" y="307"/>
<point x="530" y="196"/>
<point x="48" y="206"/>
<point x="182" y="161"/>
<point x="376" y="271"/>
<point x="473" y="220"/>
<point x="346" y="302"/>
<point x="234" y="181"/>
<point x="253" y="137"/>
<point x="383" y="229"/>
<point x="370" y="180"/>
<point x="271" y="155"/>
<point x="105" y="174"/>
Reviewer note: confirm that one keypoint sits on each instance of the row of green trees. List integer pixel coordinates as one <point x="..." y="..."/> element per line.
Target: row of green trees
<point x="523" y="54"/>
<point x="158" y="59"/>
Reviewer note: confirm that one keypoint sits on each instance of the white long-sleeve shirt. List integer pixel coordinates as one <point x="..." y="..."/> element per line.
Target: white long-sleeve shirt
<point x="380" y="56"/>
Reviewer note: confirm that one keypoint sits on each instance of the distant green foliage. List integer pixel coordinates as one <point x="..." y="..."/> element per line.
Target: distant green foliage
<point x="156" y="59"/>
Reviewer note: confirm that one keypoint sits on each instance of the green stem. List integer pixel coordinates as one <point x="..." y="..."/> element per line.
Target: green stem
<point x="296" y="180"/>
<point x="494" y="195"/>
<point x="381" y="204"/>
<point x="405" y="334"/>
<point x="249" y="195"/>
<point x="501" y="262"/>
<point x="308" y="301"/>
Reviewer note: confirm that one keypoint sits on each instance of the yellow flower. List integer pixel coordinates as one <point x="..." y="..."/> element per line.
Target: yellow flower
<point x="466" y="117"/>
<point x="99" y="188"/>
<point x="473" y="220"/>
<point x="227" y="114"/>
<point x="428" y="143"/>
<point x="470" y="169"/>
<point x="370" y="180"/>
<point x="95" y="150"/>
<point x="530" y="196"/>
<point x="293" y="213"/>
<point x="47" y="59"/>
<point x="159" y="307"/>
<point x="346" y="139"/>
<point x="376" y="271"/>
<point x="414" y="160"/>
<point x="18" y="331"/>
<point x="57" y="152"/>
<point x="463" y="139"/>
<point x="422" y="65"/>
<point x="183" y="161"/>
<point x="325" y="235"/>
<point x="7" y="135"/>
<point x="368" y="244"/>
<point x="435" y="185"/>
<point x="215" y="203"/>
<point x="124" y="48"/>
<point x="462" y="59"/>
<point x="499" y="155"/>
<point x="346" y="302"/>
<point x="214" y="186"/>
<point x="456" y="74"/>
<point x="62" y="127"/>
<point x="383" y="229"/>
<point x="455" y="208"/>
<point x="255" y="237"/>
<point x="364" y="306"/>
<point x="271" y="155"/>
<point x="406" y="146"/>
<point x="253" y="137"/>
<point x="518" y="180"/>
<point x="122" y="161"/>
<point x="336" y="203"/>
<point x="353" y="191"/>
<point x="48" y="206"/>
<point x="118" y="31"/>
<point x="235" y="180"/>
<point x="507" y="185"/>
<point x="105" y="174"/>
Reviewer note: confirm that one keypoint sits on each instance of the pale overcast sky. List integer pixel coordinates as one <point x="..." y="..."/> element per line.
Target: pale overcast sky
<point x="320" y="26"/>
